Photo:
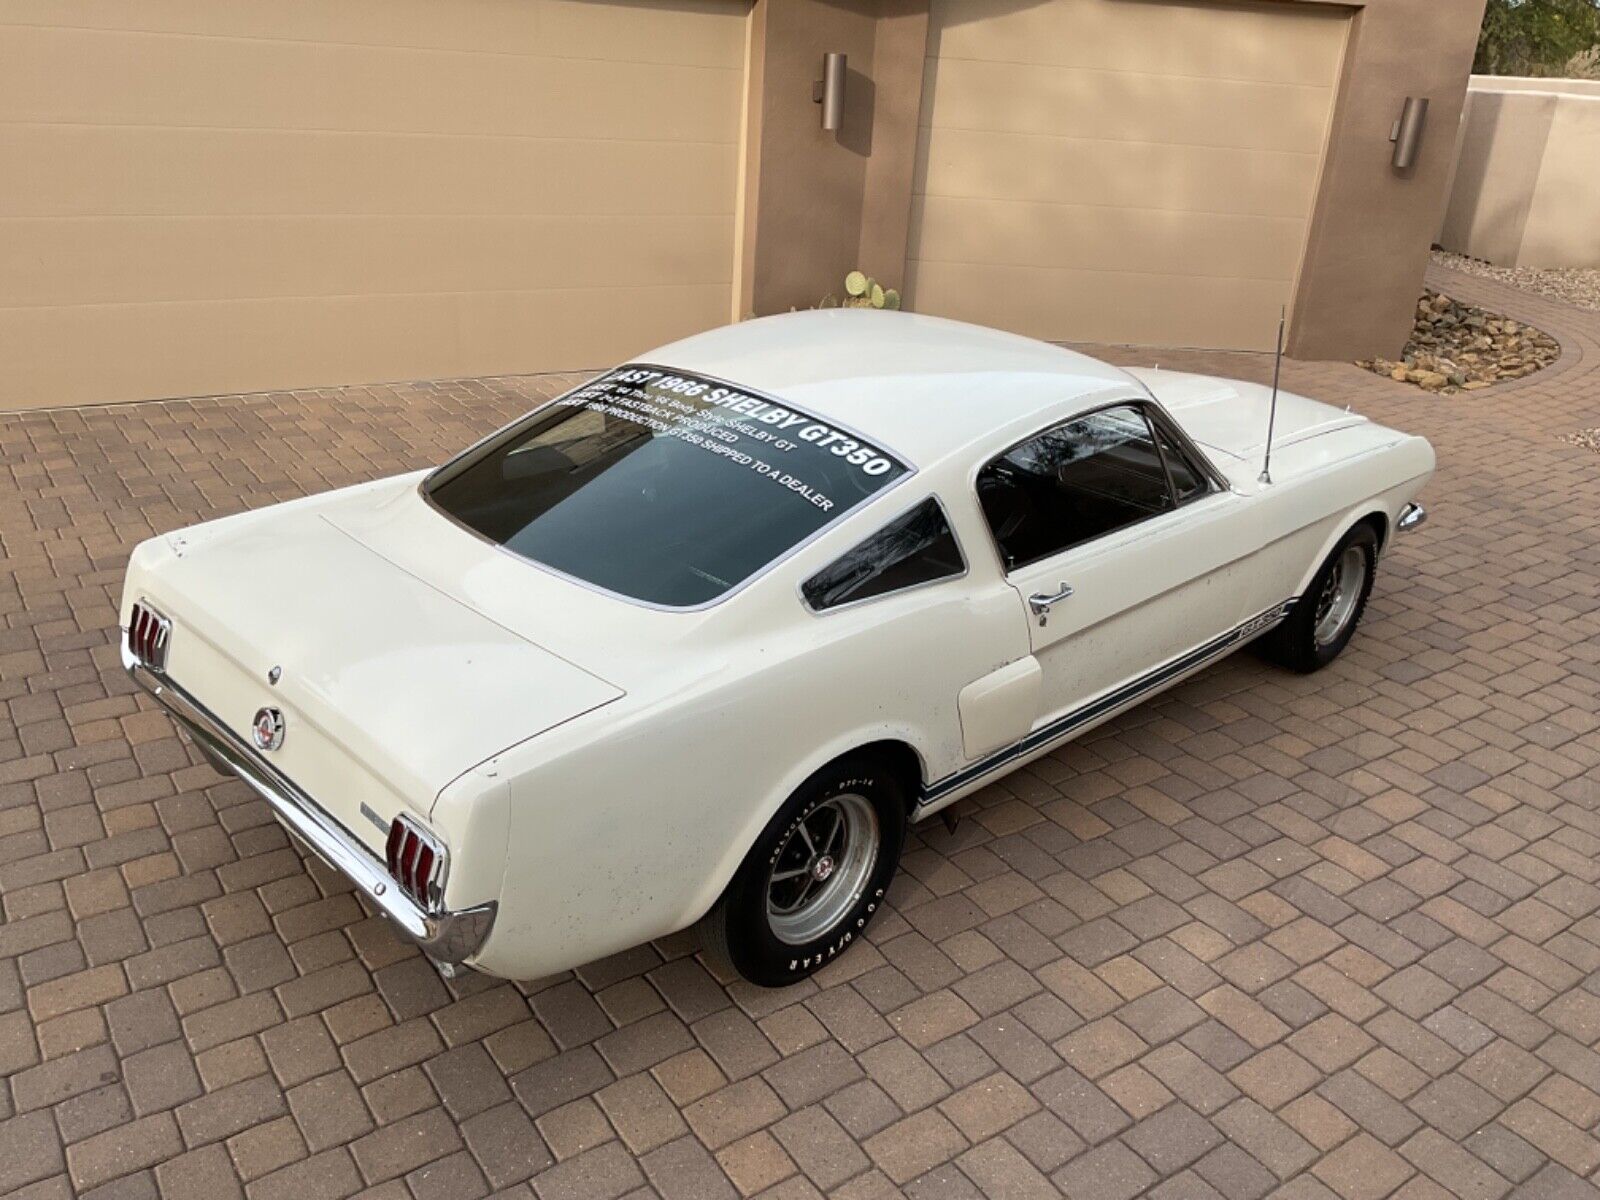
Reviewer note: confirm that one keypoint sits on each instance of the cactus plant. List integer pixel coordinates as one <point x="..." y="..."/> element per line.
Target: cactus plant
<point x="863" y="291"/>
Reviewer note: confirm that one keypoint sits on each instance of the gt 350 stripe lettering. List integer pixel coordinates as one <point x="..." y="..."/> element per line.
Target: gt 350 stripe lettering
<point x="1068" y="723"/>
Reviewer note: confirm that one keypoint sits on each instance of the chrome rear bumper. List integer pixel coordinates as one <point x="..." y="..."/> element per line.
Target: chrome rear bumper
<point x="446" y="937"/>
<point x="1411" y="516"/>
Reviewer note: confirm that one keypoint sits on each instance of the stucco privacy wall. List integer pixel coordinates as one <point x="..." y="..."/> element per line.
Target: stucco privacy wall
<point x="1526" y="191"/>
<point x="223" y="195"/>
<point x="1121" y="172"/>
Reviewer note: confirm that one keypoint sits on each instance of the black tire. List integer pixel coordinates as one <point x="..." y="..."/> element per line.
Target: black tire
<point x="1296" y="643"/>
<point x="742" y="934"/>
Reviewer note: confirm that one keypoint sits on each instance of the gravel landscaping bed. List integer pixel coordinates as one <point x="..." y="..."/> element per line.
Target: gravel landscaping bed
<point x="1458" y="347"/>
<point x="1575" y="285"/>
<point x="1589" y="439"/>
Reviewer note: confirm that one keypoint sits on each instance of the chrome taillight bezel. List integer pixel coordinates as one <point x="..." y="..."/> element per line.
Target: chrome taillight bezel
<point x="418" y="862"/>
<point x="149" y="635"/>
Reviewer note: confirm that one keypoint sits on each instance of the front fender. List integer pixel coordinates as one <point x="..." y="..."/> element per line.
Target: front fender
<point x="1387" y="506"/>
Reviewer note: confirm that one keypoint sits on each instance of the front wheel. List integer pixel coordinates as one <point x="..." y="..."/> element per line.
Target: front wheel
<point x="1323" y="621"/>
<point x="815" y="877"/>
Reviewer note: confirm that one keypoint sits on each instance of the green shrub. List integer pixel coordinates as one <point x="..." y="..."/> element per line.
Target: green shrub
<point x="1537" y="37"/>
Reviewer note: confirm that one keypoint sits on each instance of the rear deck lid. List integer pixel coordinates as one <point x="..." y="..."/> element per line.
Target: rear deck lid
<point x="378" y="669"/>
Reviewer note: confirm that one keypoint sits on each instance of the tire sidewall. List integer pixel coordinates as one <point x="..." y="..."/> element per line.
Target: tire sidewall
<point x="1321" y="655"/>
<point x="757" y="952"/>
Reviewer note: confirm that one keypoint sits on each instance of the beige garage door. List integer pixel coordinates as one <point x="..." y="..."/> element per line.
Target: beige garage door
<point x="1121" y="170"/>
<point x="226" y="195"/>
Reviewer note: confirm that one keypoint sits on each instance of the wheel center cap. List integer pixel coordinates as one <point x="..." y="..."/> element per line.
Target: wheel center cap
<point x="822" y="868"/>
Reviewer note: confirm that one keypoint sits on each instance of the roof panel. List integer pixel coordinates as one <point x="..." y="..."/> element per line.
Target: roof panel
<point x="922" y="386"/>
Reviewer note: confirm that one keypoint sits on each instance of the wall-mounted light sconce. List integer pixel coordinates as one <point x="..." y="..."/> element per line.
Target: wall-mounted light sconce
<point x="829" y="91"/>
<point x="1407" y="132"/>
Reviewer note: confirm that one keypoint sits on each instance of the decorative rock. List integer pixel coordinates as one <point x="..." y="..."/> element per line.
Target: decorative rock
<point x="1572" y="285"/>
<point x="1456" y="347"/>
<point x="1589" y="439"/>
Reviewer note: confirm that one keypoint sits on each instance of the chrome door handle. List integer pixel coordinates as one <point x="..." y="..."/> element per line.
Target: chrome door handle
<point x="1041" y="604"/>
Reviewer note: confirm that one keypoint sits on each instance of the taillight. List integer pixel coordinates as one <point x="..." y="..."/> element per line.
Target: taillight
<point x="417" y="861"/>
<point x="148" y="634"/>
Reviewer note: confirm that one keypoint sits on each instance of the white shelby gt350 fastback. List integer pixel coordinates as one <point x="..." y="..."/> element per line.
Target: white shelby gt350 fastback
<point x="697" y="640"/>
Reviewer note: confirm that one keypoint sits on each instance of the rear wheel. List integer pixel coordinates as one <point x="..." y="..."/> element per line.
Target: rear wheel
<point x="1324" y="620"/>
<point x="816" y="876"/>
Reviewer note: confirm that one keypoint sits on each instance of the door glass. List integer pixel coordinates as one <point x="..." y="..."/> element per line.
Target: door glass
<point x="1072" y="484"/>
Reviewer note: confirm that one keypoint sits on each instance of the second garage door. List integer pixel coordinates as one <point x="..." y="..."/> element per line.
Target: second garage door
<point x="1121" y="170"/>
<point x="227" y="195"/>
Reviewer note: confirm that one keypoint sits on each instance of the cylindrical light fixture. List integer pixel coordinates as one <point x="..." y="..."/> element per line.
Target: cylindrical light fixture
<point x="829" y="91"/>
<point x="1407" y="132"/>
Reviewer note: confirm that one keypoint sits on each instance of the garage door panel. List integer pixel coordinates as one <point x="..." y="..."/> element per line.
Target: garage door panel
<point x="975" y="163"/>
<point x="112" y="260"/>
<point x="94" y="170"/>
<point x="1076" y="102"/>
<point x="1137" y="240"/>
<point x="226" y="195"/>
<point x="166" y="80"/>
<point x="692" y="32"/>
<point x="209" y="348"/>
<point x="1121" y="170"/>
<point x="1109" y="307"/>
<point x="1204" y="39"/>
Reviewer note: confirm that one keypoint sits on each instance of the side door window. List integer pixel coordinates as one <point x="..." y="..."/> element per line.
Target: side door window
<point x="912" y="550"/>
<point x="1074" y="483"/>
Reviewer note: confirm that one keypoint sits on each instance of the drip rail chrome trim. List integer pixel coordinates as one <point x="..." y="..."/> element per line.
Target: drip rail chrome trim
<point x="446" y="937"/>
<point x="1066" y="725"/>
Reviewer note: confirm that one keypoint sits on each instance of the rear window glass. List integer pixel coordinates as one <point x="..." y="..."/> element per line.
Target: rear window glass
<point x="662" y="486"/>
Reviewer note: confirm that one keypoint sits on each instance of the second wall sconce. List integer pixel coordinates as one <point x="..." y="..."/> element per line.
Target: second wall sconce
<point x="1407" y="132"/>
<point x="829" y="91"/>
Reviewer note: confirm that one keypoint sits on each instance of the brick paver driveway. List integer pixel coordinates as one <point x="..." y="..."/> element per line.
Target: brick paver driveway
<point x="1268" y="935"/>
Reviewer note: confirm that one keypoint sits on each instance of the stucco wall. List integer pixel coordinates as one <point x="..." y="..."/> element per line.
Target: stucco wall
<point x="1373" y="225"/>
<point x="1526" y="191"/>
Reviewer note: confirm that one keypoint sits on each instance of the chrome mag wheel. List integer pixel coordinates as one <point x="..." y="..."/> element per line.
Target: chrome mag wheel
<point x="1336" y="606"/>
<point x="821" y="868"/>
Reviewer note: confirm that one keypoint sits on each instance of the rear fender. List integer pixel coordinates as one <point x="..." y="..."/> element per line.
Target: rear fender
<point x="745" y="837"/>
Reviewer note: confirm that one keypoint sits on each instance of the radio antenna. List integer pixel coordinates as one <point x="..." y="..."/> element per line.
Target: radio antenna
<point x="1272" y="412"/>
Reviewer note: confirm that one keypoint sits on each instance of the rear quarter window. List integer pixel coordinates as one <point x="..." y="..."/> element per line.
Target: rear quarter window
<point x="911" y="551"/>
<point x="662" y="486"/>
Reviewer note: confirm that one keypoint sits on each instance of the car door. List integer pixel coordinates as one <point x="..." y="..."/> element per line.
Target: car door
<point x="1120" y="542"/>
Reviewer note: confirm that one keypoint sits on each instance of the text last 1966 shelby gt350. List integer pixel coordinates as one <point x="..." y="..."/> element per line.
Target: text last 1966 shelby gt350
<point x="698" y="639"/>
